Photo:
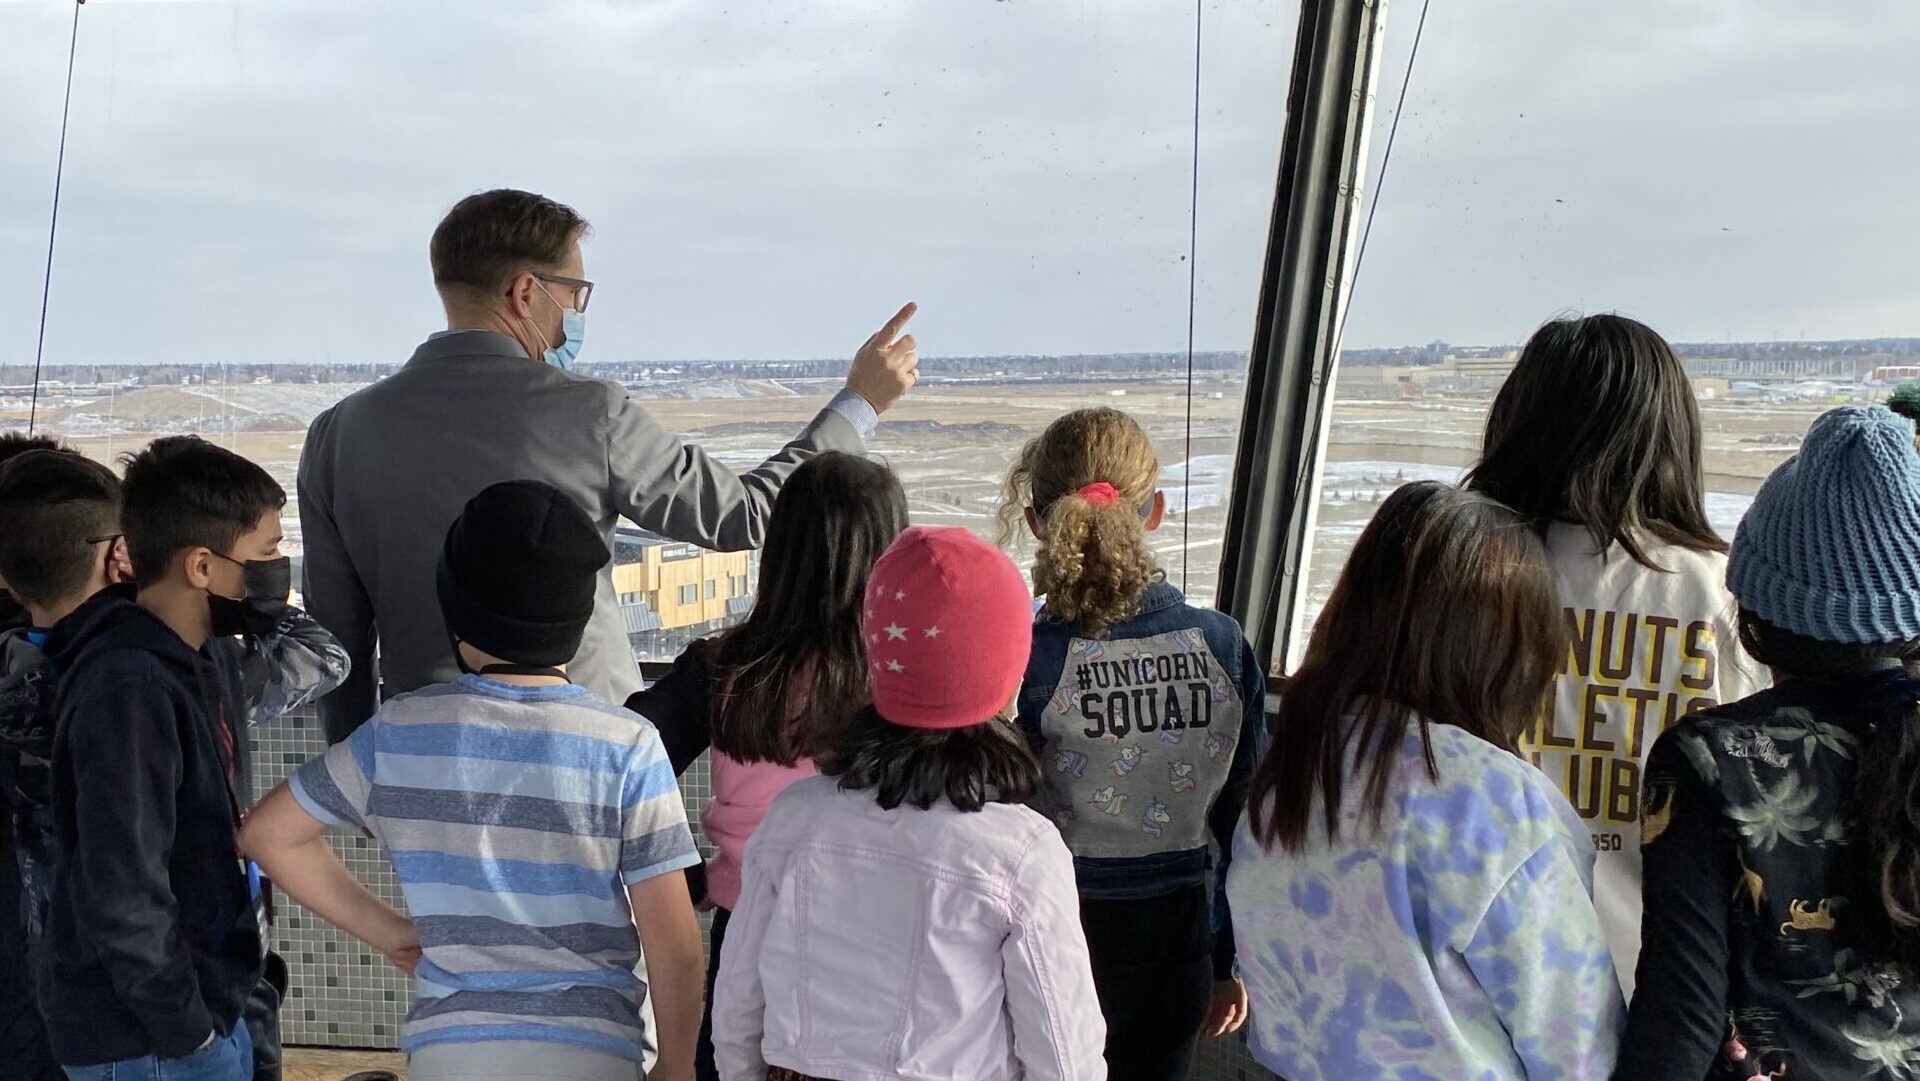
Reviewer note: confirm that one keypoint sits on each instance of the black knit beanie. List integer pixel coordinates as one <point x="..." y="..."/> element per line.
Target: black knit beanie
<point x="518" y="573"/>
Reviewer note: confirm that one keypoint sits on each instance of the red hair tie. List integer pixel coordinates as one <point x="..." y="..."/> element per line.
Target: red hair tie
<point x="1100" y="493"/>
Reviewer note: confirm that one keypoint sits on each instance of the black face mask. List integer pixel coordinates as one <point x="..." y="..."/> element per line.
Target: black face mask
<point x="269" y="582"/>
<point x="266" y="579"/>
<point x="269" y="579"/>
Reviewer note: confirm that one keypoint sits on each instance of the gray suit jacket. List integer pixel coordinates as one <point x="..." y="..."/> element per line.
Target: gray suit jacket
<point x="388" y="469"/>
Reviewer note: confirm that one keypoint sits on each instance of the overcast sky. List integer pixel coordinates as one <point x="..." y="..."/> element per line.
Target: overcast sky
<point x="769" y="178"/>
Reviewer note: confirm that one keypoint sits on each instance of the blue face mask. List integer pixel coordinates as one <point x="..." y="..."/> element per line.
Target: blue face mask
<point x="574" y="325"/>
<point x="573" y="330"/>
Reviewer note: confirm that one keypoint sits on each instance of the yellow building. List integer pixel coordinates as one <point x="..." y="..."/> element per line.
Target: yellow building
<point x="671" y="593"/>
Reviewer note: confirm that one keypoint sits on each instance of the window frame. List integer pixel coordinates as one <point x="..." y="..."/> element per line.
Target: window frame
<point x="1312" y="247"/>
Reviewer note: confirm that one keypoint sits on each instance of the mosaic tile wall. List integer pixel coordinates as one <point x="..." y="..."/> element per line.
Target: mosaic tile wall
<point x="1228" y="1060"/>
<point x="343" y="994"/>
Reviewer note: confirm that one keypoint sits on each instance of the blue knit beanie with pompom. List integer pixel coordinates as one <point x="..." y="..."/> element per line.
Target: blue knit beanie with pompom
<point x="1831" y="546"/>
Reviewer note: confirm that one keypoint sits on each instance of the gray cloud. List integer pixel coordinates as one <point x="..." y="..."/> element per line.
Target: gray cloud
<point x="1722" y="168"/>
<point x="256" y="181"/>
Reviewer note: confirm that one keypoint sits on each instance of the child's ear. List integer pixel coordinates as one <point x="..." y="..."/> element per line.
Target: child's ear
<point x="1036" y="525"/>
<point x="197" y="564"/>
<point x="119" y="563"/>
<point x="1156" y="511"/>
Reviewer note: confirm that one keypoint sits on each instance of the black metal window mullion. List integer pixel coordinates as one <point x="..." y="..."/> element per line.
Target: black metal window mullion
<point x="1302" y="299"/>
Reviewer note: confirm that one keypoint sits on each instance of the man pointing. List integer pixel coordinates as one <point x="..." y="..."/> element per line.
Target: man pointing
<point x="491" y="399"/>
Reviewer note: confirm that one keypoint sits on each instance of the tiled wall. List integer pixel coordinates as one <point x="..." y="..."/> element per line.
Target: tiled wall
<point x="343" y="994"/>
<point x="1227" y="1060"/>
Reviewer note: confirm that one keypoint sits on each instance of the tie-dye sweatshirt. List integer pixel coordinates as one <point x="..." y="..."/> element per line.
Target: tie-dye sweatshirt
<point x="1458" y="941"/>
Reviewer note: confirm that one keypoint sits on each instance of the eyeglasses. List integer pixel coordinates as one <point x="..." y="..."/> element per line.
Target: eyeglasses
<point x="582" y="290"/>
<point x="109" y="538"/>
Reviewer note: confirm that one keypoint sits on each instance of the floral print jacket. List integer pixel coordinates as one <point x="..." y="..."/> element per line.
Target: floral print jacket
<point x="1764" y="951"/>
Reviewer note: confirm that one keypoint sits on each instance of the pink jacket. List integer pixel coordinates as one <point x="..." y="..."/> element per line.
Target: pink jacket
<point x="927" y="945"/>
<point x="741" y="793"/>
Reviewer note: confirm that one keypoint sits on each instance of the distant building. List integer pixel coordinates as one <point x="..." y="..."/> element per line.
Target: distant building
<point x="1782" y="368"/>
<point x="672" y="593"/>
<point x="1472" y="370"/>
<point x="1482" y="369"/>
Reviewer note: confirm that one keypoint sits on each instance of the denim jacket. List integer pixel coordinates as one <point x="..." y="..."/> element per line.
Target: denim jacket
<point x="1147" y="734"/>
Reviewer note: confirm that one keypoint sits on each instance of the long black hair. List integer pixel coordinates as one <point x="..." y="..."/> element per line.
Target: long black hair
<point x="970" y="767"/>
<point x="1597" y="425"/>
<point x="792" y="673"/>
<point x="1447" y="613"/>
<point x="1878" y="676"/>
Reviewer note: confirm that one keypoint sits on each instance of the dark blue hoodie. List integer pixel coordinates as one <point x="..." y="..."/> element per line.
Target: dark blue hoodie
<point x="151" y="939"/>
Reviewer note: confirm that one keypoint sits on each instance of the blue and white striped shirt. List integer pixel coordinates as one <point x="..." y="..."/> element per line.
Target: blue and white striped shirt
<point x="513" y="816"/>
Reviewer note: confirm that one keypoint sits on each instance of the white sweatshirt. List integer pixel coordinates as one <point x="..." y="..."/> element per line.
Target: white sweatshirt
<point x="1648" y="648"/>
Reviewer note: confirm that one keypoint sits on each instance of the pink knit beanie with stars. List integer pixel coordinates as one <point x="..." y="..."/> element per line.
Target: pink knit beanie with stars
<point x="949" y="624"/>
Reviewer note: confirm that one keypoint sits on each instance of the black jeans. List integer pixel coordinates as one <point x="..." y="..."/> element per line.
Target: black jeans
<point x="1153" y="969"/>
<point x="703" y="1066"/>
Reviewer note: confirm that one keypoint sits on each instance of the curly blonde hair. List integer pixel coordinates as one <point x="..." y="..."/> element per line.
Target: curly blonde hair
<point x="1093" y="561"/>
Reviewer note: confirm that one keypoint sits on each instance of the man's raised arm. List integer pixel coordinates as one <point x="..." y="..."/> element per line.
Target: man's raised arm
<point x="680" y="491"/>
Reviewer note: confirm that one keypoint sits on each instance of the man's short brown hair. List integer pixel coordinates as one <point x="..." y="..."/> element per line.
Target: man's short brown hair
<point x="487" y="238"/>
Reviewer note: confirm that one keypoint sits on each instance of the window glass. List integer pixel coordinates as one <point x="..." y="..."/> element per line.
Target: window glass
<point x="249" y="190"/>
<point x="1726" y="174"/>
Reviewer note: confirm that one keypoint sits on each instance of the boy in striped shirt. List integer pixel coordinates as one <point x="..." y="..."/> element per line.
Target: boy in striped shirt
<point x="532" y="825"/>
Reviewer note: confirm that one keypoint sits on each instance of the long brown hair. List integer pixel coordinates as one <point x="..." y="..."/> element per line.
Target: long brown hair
<point x="1597" y="425"/>
<point x="1094" y="562"/>
<point x="796" y="669"/>
<point x="1448" y="611"/>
